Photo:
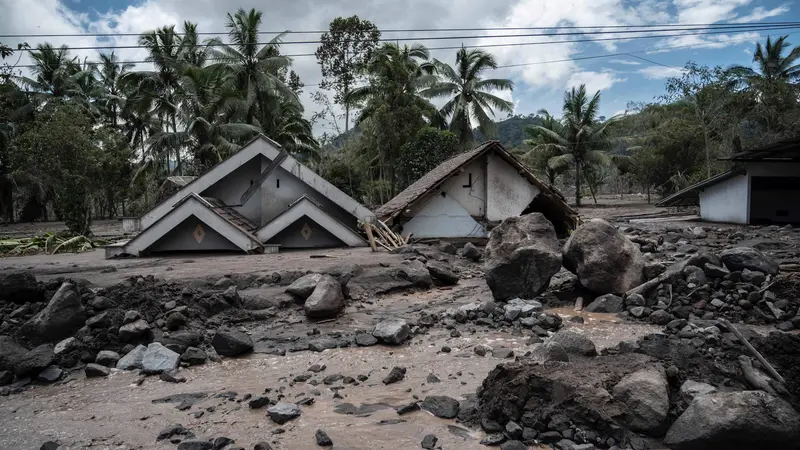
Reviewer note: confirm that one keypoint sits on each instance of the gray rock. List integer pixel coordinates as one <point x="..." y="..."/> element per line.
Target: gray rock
<point x="262" y="446"/>
<point x="327" y="299"/>
<point x="638" y="311"/>
<point x="50" y="374"/>
<point x="10" y="353"/>
<point x="50" y="445"/>
<point x="441" y="406"/>
<point x="608" y="303"/>
<point x="549" y="351"/>
<point x="304" y="286"/>
<point x="100" y="303"/>
<point x="175" y="320"/>
<point x="753" y="277"/>
<point x="502" y="353"/>
<point x="96" y="370"/>
<point x="518" y="308"/>
<point x="134" y="330"/>
<point x="158" y="359"/>
<point x="415" y="272"/>
<point x="181" y="340"/>
<point x="107" y="358"/>
<point x="522" y="255"/>
<point x="604" y="260"/>
<point x="481" y="349"/>
<point x="6" y="377"/>
<point x="194" y="356"/>
<point x="660" y="317"/>
<point x="322" y="344"/>
<point x="443" y="272"/>
<point x="231" y="295"/>
<point x="392" y="331"/>
<point x="68" y="345"/>
<point x="429" y="441"/>
<point x="133" y="359"/>
<point x="645" y="393"/>
<point x="193" y="444"/>
<point x="715" y="271"/>
<point x="60" y="319"/>
<point x="694" y="274"/>
<point x="447" y="247"/>
<point x="231" y="342"/>
<point x="575" y="343"/>
<point x="692" y="389"/>
<point x="740" y="258"/>
<point x="224" y="283"/>
<point x="323" y="440"/>
<point x="34" y="361"/>
<point x="471" y="252"/>
<point x="395" y="375"/>
<point x="131" y="316"/>
<point x="733" y="421"/>
<point x="635" y="300"/>
<point x="19" y="287"/>
<point x="513" y="445"/>
<point x="99" y="321"/>
<point x="283" y="412"/>
<point x="366" y="340"/>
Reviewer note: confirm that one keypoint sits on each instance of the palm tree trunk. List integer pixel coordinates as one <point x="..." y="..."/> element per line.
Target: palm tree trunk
<point x="577" y="182"/>
<point x="648" y="193"/>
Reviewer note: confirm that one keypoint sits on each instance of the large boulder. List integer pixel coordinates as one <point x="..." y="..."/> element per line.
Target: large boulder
<point x="133" y="359"/>
<point x="740" y="258"/>
<point x="604" y="260"/>
<point x="35" y="361"/>
<point x="231" y="343"/>
<point x="415" y="272"/>
<point x="304" y="286"/>
<point x="521" y="257"/>
<point x="392" y="331"/>
<point x="575" y="343"/>
<point x="19" y="287"/>
<point x="735" y="421"/>
<point x="10" y="353"/>
<point x="645" y="393"/>
<point x="159" y="359"/>
<point x="327" y="299"/>
<point x="608" y="303"/>
<point x="61" y="318"/>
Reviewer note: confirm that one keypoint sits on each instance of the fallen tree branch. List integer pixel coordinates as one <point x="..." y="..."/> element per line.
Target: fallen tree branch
<point x="644" y="288"/>
<point x="771" y="370"/>
<point x="753" y="376"/>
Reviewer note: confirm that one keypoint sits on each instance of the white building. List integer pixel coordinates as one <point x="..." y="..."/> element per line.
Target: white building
<point x="292" y="208"/>
<point x="467" y="194"/>
<point x="764" y="188"/>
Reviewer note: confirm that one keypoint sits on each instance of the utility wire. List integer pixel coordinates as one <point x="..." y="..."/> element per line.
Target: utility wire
<point x="432" y="30"/>
<point x="515" y="44"/>
<point x="689" y="31"/>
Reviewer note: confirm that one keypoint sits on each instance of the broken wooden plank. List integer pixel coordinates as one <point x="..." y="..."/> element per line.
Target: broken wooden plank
<point x="368" y="230"/>
<point x="771" y="370"/>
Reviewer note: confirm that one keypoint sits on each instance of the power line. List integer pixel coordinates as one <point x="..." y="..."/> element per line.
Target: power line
<point x="516" y="44"/>
<point x="652" y="62"/>
<point x="432" y="30"/>
<point x="690" y="31"/>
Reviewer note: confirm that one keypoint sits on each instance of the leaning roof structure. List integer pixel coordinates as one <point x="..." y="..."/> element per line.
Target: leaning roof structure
<point x="433" y="179"/>
<point x="690" y="196"/>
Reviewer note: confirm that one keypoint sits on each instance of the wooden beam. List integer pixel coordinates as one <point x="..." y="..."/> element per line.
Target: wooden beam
<point x="368" y="230"/>
<point x="771" y="370"/>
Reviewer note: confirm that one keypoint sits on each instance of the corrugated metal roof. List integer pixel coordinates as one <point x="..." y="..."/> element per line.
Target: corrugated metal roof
<point x="691" y="195"/>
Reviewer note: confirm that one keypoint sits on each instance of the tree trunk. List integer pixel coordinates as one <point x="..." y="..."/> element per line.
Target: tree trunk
<point x="346" y="118"/>
<point x="577" y="182"/>
<point x="648" y="193"/>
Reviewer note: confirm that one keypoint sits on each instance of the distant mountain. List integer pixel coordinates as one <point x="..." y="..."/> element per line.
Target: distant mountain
<point x="510" y="132"/>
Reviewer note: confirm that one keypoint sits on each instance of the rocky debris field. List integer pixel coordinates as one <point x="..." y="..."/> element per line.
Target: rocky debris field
<point x="557" y="389"/>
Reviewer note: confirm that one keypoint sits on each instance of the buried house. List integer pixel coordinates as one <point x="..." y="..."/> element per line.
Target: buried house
<point x="261" y="198"/>
<point x="465" y="196"/>
<point x="763" y="188"/>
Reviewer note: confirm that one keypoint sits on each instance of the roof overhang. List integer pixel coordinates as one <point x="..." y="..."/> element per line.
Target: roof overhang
<point x="690" y="196"/>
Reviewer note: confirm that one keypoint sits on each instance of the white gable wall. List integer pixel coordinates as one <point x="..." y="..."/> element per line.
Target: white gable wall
<point x="472" y="199"/>
<point x="509" y="192"/>
<point x="726" y="201"/>
<point x="443" y="217"/>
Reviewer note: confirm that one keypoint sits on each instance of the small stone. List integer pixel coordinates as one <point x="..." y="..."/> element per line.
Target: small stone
<point x="365" y="340"/>
<point x="397" y="374"/>
<point x="392" y="331"/>
<point x="158" y="359"/>
<point x="323" y="440"/>
<point x="446" y="349"/>
<point x="133" y="359"/>
<point x="432" y="378"/>
<point x="172" y="430"/>
<point x="258" y="402"/>
<point x="482" y="350"/>
<point x="502" y="353"/>
<point x="171" y="376"/>
<point x="441" y="406"/>
<point x="50" y="374"/>
<point x="660" y="317"/>
<point x="96" y="370"/>
<point x="493" y="440"/>
<point x="66" y="346"/>
<point x="513" y="430"/>
<point x="283" y="412"/>
<point x="196" y="445"/>
<point x="194" y="356"/>
<point x="107" y="358"/>
<point x="50" y="445"/>
<point x="131" y="316"/>
<point x="405" y="409"/>
<point x="262" y="446"/>
<point x="134" y="330"/>
<point x="429" y="441"/>
<point x="317" y="368"/>
<point x="513" y="445"/>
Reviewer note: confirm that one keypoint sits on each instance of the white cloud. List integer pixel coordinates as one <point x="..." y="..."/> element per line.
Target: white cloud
<point x="659" y="72"/>
<point x="706" y="41"/>
<point x="707" y="11"/>
<point x="761" y="13"/>
<point x="624" y="62"/>
<point x="594" y="81"/>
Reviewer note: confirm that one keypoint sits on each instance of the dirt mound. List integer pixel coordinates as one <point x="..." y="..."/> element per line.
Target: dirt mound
<point x="782" y="350"/>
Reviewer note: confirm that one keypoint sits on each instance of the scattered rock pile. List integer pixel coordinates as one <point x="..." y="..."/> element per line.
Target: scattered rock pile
<point x="516" y="312"/>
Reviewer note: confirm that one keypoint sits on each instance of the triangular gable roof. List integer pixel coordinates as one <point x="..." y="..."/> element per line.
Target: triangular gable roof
<point x="691" y="195"/>
<point x="260" y="145"/>
<point x="449" y="168"/>
<point x="194" y="205"/>
<point x="306" y="206"/>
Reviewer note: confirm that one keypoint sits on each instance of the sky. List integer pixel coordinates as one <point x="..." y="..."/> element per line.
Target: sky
<point x="541" y="85"/>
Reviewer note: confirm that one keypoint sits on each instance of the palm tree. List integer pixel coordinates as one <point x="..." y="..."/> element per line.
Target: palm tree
<point x="471" y="95"/>
<point x="579" y="138"/>
<point x="772" y="64"/>
<point x="110" y="73"/>
<point x="53" y="69"/>
<point x="539" y="157"/>
<point x="252" y="70"/>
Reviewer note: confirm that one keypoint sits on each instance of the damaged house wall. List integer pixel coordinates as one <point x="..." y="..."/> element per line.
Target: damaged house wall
<point x="509" y="193"/>
<point x="230" y="188"/>
<point x="726" y="201"/>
